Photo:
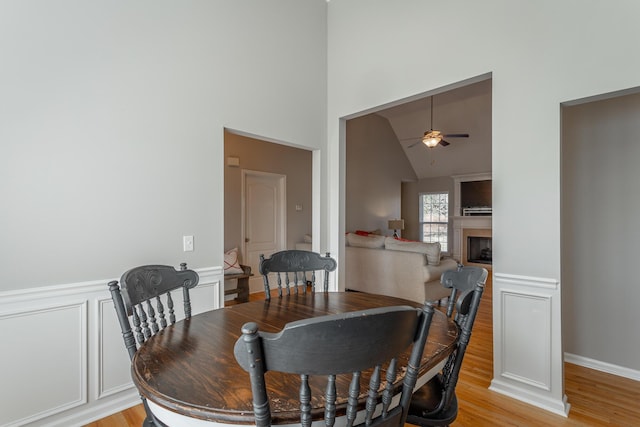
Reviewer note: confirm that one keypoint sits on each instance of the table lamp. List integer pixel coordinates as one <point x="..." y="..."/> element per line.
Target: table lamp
<point x="395" y="225"/>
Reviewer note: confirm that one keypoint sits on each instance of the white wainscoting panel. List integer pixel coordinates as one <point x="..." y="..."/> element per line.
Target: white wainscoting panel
<point x="113" y="366"/>
<point x="63" y="362"/>
<point x="530" y="313"/>
<point x="48" y="345"/>
<point x="527" y="334"/>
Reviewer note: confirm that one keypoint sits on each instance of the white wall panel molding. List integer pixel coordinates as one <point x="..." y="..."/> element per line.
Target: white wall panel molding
<point x="208" y="276"/>
<point x="50" y="346"/>
<point x="30" y="295"/>
<point x="609" y="368"/>
<point x="66" y="338"/>
<point x="519" y="347"/>
<point x="528" y="281"/>
<point x="528" y="360"/>
<point x="209" y="293"/>
<point x="111" y="364"/>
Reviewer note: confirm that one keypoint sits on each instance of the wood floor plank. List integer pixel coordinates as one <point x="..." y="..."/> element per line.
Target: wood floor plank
<point x="131" y="417"/>
<point x="596" y="398"/>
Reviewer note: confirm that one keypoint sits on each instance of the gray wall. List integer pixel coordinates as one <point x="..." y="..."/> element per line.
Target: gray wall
<point x="264" y="156"/>
<point x="112" y="118"/>
<point x="375" y="167"/>
<point x="600" y="230"/>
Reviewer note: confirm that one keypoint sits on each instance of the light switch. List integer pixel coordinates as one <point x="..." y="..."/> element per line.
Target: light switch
<point x="298" y="207"/>
<point x="187" y="243"/>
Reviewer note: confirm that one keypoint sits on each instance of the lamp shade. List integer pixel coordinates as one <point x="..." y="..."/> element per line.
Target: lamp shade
<point x="396" y="224"/>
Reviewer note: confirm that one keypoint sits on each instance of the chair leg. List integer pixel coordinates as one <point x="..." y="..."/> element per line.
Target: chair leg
<point x="150" y="420"/>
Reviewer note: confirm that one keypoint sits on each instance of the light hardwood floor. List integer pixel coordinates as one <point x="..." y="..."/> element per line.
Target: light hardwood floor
<point x="596" y="398"/>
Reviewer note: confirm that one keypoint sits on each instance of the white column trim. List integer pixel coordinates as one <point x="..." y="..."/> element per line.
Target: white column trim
<point x="528" y="358"/>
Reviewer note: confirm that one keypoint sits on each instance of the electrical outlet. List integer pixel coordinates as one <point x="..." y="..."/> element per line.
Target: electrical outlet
<point x="187" y="243"/>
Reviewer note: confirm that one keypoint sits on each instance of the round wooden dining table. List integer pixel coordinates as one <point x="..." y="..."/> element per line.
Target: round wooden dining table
<point x="189" y="375"/>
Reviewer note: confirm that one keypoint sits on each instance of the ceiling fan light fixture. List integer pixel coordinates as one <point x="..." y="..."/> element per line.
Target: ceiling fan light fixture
<point x="432" y="138"/>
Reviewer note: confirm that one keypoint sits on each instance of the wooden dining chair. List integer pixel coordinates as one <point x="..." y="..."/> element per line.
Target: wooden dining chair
<point x="337" y="349"/>
<point x="460" y="280"/>
<point x="296" y="269"/>
<point x="140" y="289"/>
<point x="435" y="403"/>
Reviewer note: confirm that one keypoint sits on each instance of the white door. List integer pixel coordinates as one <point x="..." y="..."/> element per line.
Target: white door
<point x="264" y="230"/>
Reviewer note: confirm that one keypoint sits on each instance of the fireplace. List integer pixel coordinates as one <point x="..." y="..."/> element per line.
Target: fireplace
<point x="477" y="247"/>
<point x="479" y="250"/>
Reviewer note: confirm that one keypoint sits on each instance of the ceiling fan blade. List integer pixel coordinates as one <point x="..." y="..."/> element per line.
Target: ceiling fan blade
<point x="457" y="135"/>
<point x="414" y="144"/>
<point x="444" y="143"/>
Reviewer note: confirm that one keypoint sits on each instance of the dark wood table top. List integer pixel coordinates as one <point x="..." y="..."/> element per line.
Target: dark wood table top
<point x="189" y="368"/>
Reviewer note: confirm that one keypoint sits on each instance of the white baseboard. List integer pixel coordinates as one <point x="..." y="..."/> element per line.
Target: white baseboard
<point x="96" y="411"/>
<point x="556" y="406"/>
<point x="609" y="368"/>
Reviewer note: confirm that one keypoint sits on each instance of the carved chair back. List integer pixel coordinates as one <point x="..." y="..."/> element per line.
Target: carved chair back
<point x="461" y="280"/>
<point x="144" y="287"/>
<point x="467" y="284"/>
<point x="337" y="349"/>
<point x="296" y="269"/>
<point x="140" y="308"/>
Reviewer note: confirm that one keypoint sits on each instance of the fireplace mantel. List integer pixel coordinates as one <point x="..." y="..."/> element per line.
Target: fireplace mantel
<point x="460" y="223"/>
<point x="466" y="222"/>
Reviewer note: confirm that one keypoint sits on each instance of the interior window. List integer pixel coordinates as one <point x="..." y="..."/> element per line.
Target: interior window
<point x="434" y="218"/>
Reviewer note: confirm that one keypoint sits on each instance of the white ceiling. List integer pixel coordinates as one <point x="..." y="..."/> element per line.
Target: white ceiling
<point x="462" y="110"/>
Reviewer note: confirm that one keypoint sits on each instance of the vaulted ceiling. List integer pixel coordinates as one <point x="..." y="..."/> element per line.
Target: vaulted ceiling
<point x="466" y="109"/>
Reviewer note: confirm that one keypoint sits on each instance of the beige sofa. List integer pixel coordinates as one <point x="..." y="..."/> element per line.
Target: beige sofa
<point x="396" y="268"/>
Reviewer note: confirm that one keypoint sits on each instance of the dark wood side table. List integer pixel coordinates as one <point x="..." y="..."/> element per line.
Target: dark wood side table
<point x="189" y="375"/>
<point x="242" y="289"/>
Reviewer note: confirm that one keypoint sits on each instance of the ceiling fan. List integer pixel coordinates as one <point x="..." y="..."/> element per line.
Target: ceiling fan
<point x="433" y="138"/>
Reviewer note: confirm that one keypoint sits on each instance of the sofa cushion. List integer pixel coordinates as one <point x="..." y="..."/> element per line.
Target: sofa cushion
<point x="431" y="250"/>
<point x="370" y="241"/>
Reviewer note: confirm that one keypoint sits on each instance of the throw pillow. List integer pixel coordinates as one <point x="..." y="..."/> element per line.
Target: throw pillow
<point x="431" y="250"/>
<point x="370" y="241"/>
<point x="368" y="233"/>
<point x="231" y="262"/>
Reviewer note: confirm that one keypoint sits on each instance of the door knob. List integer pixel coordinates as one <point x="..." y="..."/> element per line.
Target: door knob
<point x="246" y="240"/>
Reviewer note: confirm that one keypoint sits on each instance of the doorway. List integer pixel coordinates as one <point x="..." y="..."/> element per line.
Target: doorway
<point x="599" y="240"/>
<point x="263" y="218"/>
<point x="246" y="153"/>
